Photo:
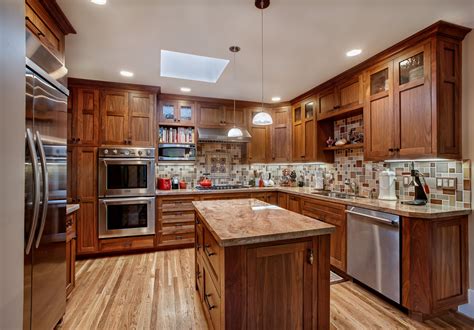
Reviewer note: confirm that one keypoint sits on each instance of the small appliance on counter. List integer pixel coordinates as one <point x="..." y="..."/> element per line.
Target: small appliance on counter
<point x="420" y="189"/>
<point x="387" y="185"/>
<point x="164" y="184"/>
<point x="175" y="182"/>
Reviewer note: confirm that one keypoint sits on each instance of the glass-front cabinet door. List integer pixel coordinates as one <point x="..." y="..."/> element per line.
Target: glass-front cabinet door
<point x="297" y="115"/>
<point x="412" y="101"/>
<point x="309" y="110"/>
<point x="168" y="111"/>
<point x="186" y="113"/>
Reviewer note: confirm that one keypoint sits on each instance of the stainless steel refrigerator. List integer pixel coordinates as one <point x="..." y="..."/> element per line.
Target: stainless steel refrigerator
<point x="45" y="200"/>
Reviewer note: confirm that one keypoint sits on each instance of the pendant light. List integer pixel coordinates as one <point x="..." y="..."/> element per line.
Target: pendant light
<point x="262" y="118"/>
<point x="234" y="131"/>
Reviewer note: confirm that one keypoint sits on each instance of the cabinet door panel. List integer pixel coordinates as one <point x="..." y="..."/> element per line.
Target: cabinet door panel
<point x="86" y="167"/>
<point x="278" y="280"/>
<point x="309" y="140"/>
<point x="114" y="113"/>
<point x="258" y="147"/>
<point x="168" y="111"/>
<point x="280" y="146"/>
<point x="351" y="93"/>
<point x="186" y="113"/>
<point x="239" y="117"/>
<point x="298" y="141"/>
<point x="379" y="119"/>
<point x="86" y="125"/>
<point x="327" y="101"/>
<point x="142" y="109"/>
<point x="412" y="105"/>
<point x="87" y="236"/>
<point x="211" y="115"/>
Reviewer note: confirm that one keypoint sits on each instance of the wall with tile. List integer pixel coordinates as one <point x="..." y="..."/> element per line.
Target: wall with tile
<point x="223" y="162"/>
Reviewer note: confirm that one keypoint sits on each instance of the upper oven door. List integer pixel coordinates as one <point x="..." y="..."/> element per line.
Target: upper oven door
<point x="126" y="177"/>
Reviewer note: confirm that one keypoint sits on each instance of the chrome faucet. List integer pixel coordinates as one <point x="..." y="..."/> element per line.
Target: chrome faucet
<point x="354" y="188"/>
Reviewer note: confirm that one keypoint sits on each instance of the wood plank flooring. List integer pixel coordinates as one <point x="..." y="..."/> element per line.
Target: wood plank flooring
<point x="156" y="291"/>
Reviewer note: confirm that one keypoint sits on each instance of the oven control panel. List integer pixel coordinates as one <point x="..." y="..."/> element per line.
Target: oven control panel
<point x="122" y="152"/>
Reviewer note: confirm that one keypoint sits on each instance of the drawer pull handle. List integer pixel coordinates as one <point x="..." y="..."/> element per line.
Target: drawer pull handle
<point x="198" y="274"/>
<point x="310" y="256"/>
<point x="198" y="246"/>
<point x="179" y="237"/>
<point x="209" y="254"/>
<point x="206" y="299"/>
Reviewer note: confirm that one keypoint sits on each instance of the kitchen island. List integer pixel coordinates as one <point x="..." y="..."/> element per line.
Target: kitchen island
<point x="261" y="266"/>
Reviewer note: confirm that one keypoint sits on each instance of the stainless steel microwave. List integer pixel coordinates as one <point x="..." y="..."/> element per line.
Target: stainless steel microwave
<point x="176" y="151"/>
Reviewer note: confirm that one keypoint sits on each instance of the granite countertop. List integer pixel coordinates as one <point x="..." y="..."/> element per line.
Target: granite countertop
<point x="70" y="208"/>
<point x="429" y="211"/>
<point x="249" y="221"/>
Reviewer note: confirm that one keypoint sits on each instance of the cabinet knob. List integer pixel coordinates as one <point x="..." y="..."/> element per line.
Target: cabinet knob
<point x="78" y="140"/>
<point x="391" y="149"/>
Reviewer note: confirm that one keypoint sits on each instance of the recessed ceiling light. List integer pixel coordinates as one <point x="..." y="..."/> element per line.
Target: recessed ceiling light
<point x="276" y="98"/>
<point x="185" y="89"/>
<point x="191" y="67"/>
<point x="99" y="2"/>
<point x="126" y="73"/>
<point x="354" y="52"/>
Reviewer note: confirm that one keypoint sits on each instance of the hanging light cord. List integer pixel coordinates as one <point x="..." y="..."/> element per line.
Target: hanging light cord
<point x="261" y="10"/>
<point x="234" y="85"/>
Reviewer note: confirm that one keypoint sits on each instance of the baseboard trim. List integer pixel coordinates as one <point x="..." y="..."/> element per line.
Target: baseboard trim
<point x="468" y="309"/>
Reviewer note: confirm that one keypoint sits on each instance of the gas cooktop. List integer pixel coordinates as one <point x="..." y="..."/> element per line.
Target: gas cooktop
<point x="221" y="187"/>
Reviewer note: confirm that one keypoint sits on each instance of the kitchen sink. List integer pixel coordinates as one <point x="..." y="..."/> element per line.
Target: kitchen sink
<point x="334" y="194"/>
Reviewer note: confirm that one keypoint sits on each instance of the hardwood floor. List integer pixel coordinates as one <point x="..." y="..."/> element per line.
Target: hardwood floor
<point x="156" y="291"/>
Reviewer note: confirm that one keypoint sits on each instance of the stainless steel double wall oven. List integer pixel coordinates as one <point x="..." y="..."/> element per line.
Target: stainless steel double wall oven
<point x="126" y="192"/>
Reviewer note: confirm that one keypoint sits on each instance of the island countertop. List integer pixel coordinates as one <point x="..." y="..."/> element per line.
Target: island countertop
<point x="249" y="221"/>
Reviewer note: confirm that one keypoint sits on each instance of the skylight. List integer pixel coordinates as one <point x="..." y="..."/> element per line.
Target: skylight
<point x="191" y="67"/>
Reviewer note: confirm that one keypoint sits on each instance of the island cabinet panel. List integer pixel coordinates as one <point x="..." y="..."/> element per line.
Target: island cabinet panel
<point x="275" y="285"/>
<point x="434" y="265"/>
<point x="71" y="237"/>
<point x="335" y="215"/>
<point x="279" y="278"/>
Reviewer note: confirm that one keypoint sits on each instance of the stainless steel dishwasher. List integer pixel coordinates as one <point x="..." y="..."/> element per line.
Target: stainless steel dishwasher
<point x="373" y="250"/>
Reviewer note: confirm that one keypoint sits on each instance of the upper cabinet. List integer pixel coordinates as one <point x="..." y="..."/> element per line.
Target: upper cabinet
<point x="259" y="149"/>
<point x="304" y="131"/>
<point x="344" y="95"/>
<point x="220" y="115"/>
<point x="111" y="114"/>
<point x="413" y="105"/>
<point x="46" y="21"/>
<point x="280" y="135"/>
<point x="177" y="112"/>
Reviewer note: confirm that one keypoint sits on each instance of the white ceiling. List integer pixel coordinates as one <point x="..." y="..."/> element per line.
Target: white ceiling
<point x="305" y="40"/>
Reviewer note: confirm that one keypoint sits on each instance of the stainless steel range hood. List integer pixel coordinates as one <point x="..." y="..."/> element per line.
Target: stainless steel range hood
<point x="220" y="135"/>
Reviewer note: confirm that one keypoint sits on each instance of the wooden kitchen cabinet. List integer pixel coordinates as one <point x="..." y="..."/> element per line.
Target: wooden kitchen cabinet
<point x="283" y="200"/>
<point x="259" y="149"/>
<point x="280" y="135"/>
<point x="71" y="223"/>
<point x="47" y="22"/>
<point x="304" y="131"/>
<point x="84" y="192"/>
<point x="413" y="102"/>
<point x="178" y="112"/>
<point x="334" y="214"/>
<point x="379" y="118"/>
<point x="343" y="95"/>
<point x="84" y="116"/>
<point x="141" y="119"/>
<point x="240" y="120"/>
<point x="211" y="115"/>
<point x="294" y="203"/>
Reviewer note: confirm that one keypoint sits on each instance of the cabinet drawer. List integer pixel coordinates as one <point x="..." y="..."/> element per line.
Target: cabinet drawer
<point x="212" y="301"/>
<point x="212" y="253"/>
<point x="324" y="208"/>
<point x="179" y="238"/>
<point x="178" y="229"/>
<point x="177" y="217"/>
<point x="127" y="243"/>
<point x="177" y="205"/>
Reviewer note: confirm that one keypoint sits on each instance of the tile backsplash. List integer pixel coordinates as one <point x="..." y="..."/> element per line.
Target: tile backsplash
<point x="223" y="162"/>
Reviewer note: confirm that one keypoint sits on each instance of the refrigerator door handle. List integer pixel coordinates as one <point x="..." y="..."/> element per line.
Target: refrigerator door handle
<point x="36" y="181"/>
<point x="45" y="187"/>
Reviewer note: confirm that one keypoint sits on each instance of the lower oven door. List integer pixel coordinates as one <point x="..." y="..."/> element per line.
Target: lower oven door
<point x="132" y="216"/>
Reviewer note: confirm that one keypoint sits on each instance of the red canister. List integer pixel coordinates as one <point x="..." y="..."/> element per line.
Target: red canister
<point x="164" y="184"/>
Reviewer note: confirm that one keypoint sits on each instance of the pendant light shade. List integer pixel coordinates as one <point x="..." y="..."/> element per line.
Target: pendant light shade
<point x="234" y="132"/>
<point x="262" y="118"/>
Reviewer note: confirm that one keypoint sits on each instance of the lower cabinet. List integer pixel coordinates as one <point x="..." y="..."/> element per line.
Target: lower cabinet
<point x="175" y="221"/>
<point x="244" y="287"/>
<point x="294" y="203"/>
<point x="70" y="252"/>
<point x="126" y="243"/>
<point x="283" y="200"/>
<point x="334" y="214"/>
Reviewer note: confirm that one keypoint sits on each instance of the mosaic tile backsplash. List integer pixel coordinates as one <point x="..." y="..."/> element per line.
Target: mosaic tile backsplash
<point x="223" y="162"/>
